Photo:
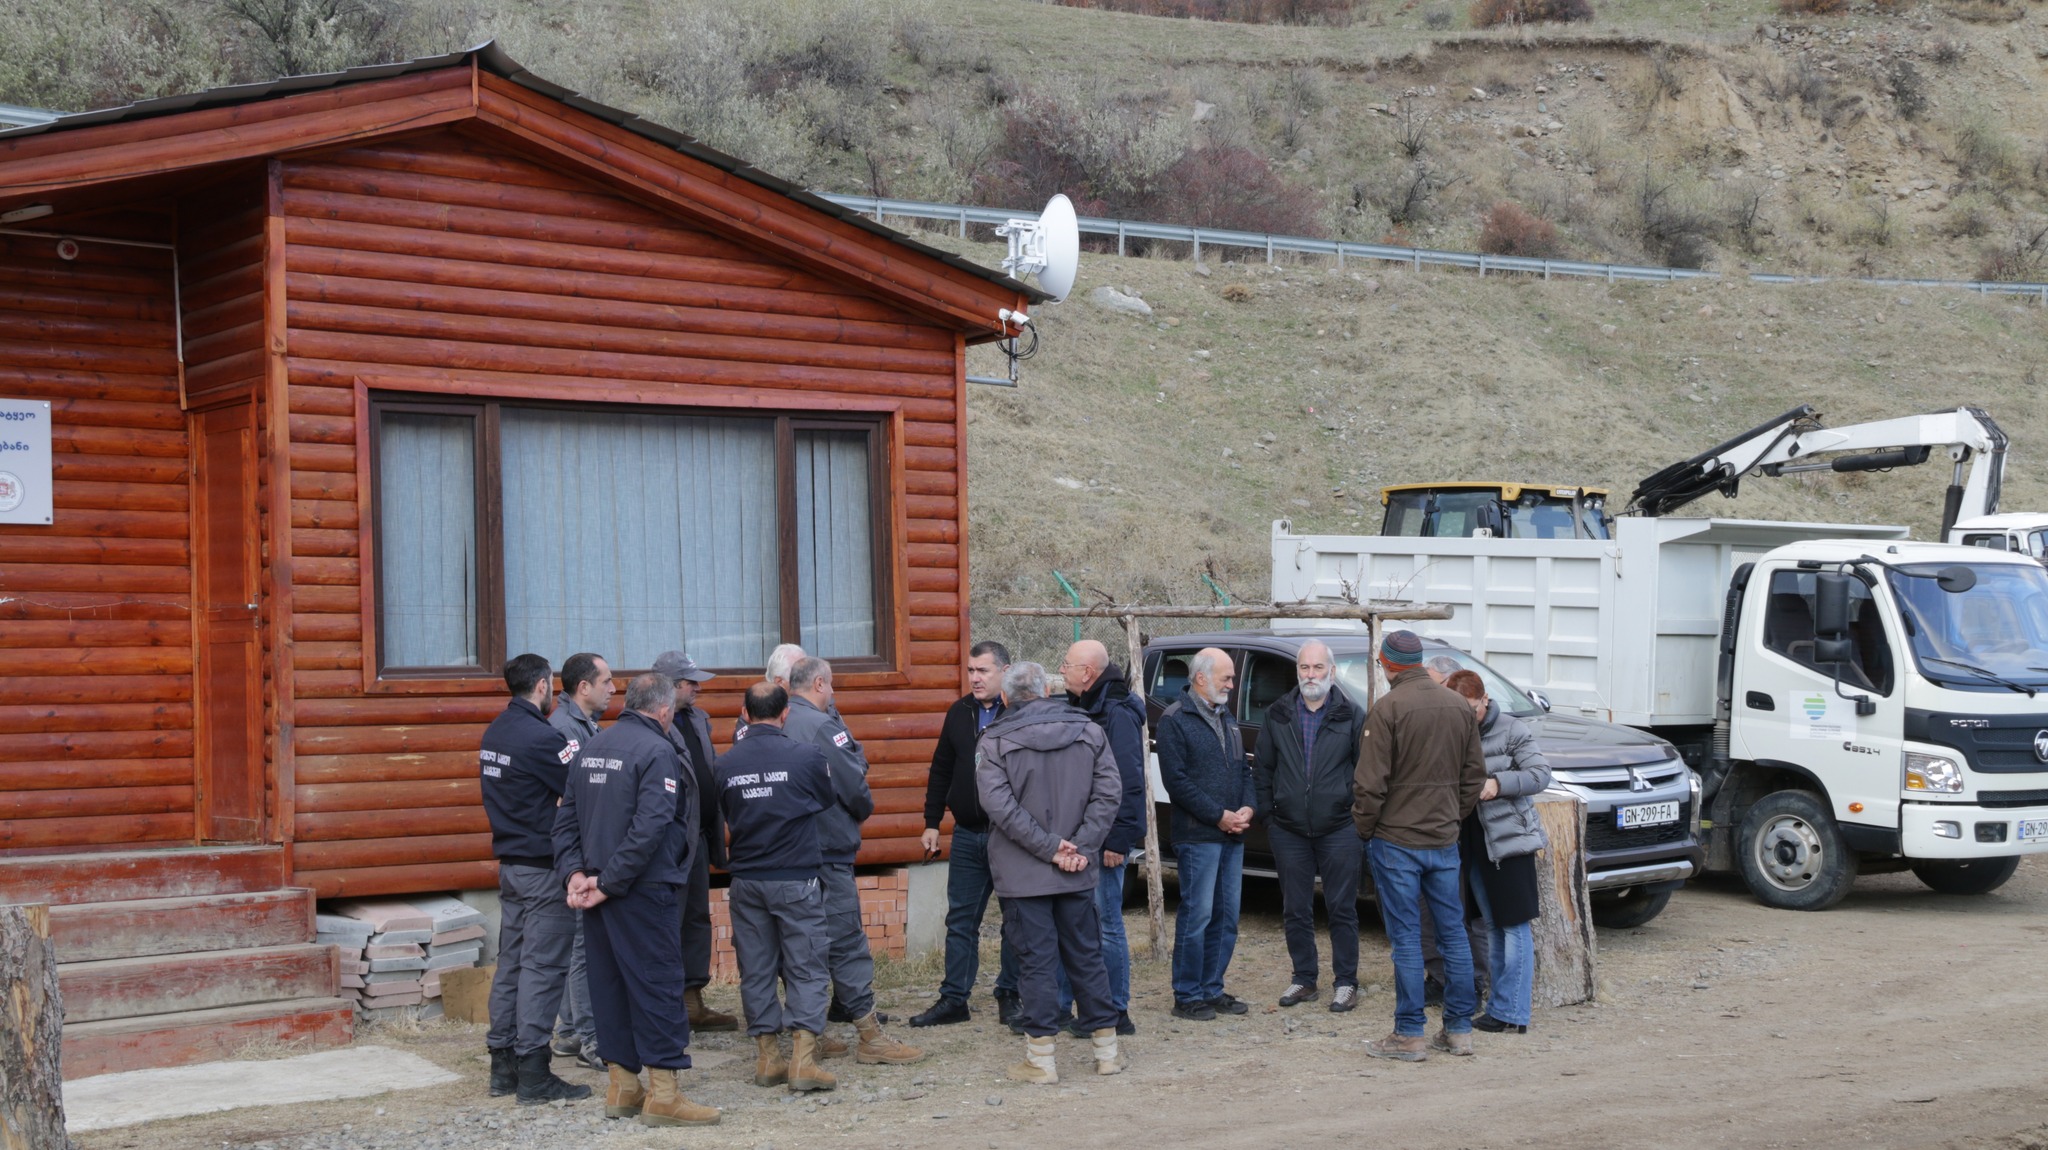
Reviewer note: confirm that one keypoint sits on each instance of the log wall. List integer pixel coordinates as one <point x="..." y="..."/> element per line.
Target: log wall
<point x="451" y="262"/>
<point x="96" y="741"/>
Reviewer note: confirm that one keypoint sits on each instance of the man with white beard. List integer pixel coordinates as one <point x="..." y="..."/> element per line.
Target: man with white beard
<point x="1302" y="776"/>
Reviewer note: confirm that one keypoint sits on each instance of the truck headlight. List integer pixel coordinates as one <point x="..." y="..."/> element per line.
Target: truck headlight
<point x="1932" y="773"/>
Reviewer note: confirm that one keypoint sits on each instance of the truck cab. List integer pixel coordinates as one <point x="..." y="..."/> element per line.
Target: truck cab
<point x="1502" y="510"/>
<point x="2023" y="533"/>
<point x="1887" y="709"/>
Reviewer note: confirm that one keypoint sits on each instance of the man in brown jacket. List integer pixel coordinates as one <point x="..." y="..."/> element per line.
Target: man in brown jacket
<point x="1420" y="770"/>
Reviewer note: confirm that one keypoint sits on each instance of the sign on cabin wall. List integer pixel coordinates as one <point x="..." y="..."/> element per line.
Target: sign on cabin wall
<point x="25" y="482"/>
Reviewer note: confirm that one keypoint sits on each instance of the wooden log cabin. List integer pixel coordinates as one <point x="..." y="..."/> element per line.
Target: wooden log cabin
<point x="362" y="383"/>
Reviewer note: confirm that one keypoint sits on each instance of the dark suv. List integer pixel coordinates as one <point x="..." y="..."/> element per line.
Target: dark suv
<point x="1634" y="860"/>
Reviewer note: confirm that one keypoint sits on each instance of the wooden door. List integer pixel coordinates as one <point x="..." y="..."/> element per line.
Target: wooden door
<point x="227" y="682"/>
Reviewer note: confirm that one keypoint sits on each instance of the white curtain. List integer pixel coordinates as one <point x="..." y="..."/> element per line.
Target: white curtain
<point x="630" y="535"/>
<point x="426" y="549"/>
<point x="835" y="551"/>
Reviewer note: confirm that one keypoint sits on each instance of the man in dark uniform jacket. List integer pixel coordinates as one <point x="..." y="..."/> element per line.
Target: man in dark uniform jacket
<point x="620" y="844"/>
<point x="690" y="731"/>
<point x="772" y="789"/>
<point x="521" y="766"/>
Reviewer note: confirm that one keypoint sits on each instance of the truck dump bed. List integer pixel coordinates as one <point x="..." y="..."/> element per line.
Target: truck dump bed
<point x="1622" y="630"/>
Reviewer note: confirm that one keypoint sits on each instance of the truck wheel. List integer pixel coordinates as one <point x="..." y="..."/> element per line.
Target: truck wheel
<point x="1966" y="876"/>
<point x="1629" y="910"/>
<point x="1792" y="854"/>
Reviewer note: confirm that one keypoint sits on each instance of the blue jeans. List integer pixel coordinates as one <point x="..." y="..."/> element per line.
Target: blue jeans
<point x="1205" y="926"/>
<point x="1116" y="949"/>
<point x="1511" y="956"/>
<point x="968" y="887"/>
<point x="1404" y="878"/>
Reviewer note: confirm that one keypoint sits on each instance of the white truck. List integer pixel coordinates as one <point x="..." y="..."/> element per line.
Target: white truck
<point x="1853" y="701"/>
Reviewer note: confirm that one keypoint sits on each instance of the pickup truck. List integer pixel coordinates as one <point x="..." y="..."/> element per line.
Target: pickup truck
<point x="1633" y="861"/>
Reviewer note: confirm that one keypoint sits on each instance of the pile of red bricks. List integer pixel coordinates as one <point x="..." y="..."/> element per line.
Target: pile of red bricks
<point x="884" y="909"/>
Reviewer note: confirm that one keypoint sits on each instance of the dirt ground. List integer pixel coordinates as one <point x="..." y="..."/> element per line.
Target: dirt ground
<point x="1900" y="1018"/>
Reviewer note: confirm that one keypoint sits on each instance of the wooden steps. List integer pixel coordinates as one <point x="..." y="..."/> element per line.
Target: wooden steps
<point x="168" y="957"/>
<point x="205" y="1035"/>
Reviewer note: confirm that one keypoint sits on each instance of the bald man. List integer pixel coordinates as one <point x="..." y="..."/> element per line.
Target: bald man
<point x="1202" y="764"/>
<point x="1098" y="687"/>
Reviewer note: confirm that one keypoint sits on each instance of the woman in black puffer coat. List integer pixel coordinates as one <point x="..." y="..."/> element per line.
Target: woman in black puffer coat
<point x="1498" y="844"/>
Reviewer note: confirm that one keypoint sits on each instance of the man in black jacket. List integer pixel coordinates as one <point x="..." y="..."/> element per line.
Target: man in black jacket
<point x="968" y="886"/>
<point x="1202" y="766"/>
<point x="1098" y="688"/>
<point x="690" y="731"/>
<point x="620" y="844"/>
<point x="522" y="765"/>
<point x="1308" y="749"/>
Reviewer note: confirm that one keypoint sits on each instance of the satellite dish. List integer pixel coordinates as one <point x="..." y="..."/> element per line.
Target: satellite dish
<point x="1048" y="247"/>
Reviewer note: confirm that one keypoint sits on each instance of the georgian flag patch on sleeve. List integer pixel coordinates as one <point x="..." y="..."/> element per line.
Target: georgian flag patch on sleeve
<point x="841" y="739"/>
<point x="669" y="785"/>
<point x="569" y="752"/>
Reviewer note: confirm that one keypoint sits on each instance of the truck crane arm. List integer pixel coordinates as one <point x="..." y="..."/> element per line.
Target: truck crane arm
<point x="1796" y="441"/>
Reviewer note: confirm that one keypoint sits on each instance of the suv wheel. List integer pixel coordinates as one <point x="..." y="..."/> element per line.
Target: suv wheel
<point x="1792" y="854"/>
<point x="1628" y="910"/>
<point x="1966" y="876"/>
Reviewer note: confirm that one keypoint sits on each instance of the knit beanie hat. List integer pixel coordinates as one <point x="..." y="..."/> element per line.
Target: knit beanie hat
<point x="1401" y="649"/>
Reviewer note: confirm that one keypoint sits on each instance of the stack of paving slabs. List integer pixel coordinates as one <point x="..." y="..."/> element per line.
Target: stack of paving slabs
<point x="457" y="941"/>
<point x="395" y="951"/>
<point x="350" y="937"/>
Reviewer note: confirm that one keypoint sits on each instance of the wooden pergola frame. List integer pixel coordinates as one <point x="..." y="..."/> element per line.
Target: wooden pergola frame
<point x="1371" y="613"/>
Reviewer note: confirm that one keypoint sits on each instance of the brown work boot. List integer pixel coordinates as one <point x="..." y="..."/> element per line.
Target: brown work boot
<point x="1403" y="1047"/>
<point x="703" y="1017"/>
<point x="666" y="1106"/>
<point x="804" y="1072"/>
<point x="623" y="1096"/>
<point x="830" y="1047"/>
<point x="1038" y="1066"/>
<point x="876" y="1046"/>
<point x="1459" y="1045"/>
<point x="1107" y="1060"/>
<point x="770" y="1067"/>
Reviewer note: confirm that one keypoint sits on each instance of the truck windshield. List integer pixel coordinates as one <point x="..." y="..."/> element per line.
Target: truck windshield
<point x="1536" y="514"/>
<point x="1354" y="672"/>
<point x="1999" y="627"/>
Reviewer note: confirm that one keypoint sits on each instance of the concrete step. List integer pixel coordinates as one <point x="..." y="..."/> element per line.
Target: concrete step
<point x="171" y="983"/>
<point x="86" y="932"/>
<point x="301" y="1026"/>
<point x="116" y="876"/>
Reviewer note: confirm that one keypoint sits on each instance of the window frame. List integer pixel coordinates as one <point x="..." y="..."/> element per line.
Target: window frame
<point x="884" y="546"/>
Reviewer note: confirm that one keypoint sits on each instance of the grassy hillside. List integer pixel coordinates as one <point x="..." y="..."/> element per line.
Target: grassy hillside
<point x="1137" y="452"/>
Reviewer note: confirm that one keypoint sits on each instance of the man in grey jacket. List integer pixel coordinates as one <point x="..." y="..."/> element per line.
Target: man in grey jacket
<point x="812" y="719"/>
<point x="1051" y="788"/>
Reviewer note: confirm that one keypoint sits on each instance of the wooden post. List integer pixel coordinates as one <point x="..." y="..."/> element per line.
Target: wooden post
<point x="1155" y="886"/>
<point x="1566" y="949"/>
<point x="31" y="1033"/>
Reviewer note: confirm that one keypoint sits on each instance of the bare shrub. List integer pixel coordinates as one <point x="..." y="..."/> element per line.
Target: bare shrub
<point x="1104" y="149"/>
<point x="1874" y="229"/>
<point x="927" y="44"/>
<point x="2019" y="258"/>
<point x="1437" y="19"/>
<point x="846" y="52"/>
<point x="296" y="37"/>
<point x="1239" y="293"/>
<point x="1512" y="230"/>
<point x="1413" y="127"/>
<point x="1948" y="51"/>
<point x="1969" y="218"/>
<point x="1813" y="7"/>
<point x="1406" y="196"/>
<point x="1233" y="188"/>
<point x="1987" y="11"/>
<point x="1745" y="215"/>
<point x="1493" y="13"/>
<point x="1981" y="149"/>
<point x="1906" y="88"/>
<point x="1673" y="230"/>
<point x="1233" y="11"/>
<point x="1666" y="81"/>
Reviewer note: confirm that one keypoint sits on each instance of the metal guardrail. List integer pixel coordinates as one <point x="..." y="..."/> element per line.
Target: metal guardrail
<point x="1416" y="258"/>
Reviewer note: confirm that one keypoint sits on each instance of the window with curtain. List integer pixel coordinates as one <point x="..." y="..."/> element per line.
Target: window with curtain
<point x="626" y="532"/>
<point x="427" y="545"/>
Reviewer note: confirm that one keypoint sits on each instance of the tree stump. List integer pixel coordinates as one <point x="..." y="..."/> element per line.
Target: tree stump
<point x="1566" y="955"/>
<point x="31" y="1033"/>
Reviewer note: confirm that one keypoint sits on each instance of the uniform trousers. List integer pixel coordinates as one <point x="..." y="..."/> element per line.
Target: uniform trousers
<point x="852" y="965"/>
<point x="778" y="935"/>
<point x="636" y="978"/>
<point x="536" y="929"/>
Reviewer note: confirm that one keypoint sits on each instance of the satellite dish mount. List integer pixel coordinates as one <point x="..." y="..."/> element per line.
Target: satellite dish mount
<point x="1048" y="247"/>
